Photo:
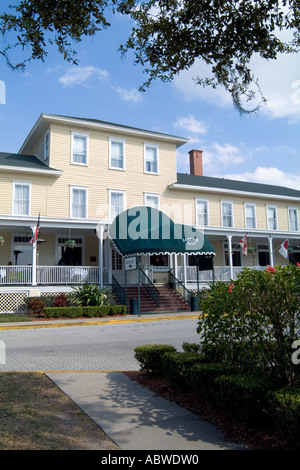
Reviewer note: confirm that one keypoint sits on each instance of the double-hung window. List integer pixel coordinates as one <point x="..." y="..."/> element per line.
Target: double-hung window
<point x="79" y="199"/>
<point x="250" y="215"/>
<point x="227" y="214"/>
<point x="21" y="198"/>
<point x="151" y="164"/>
<point x="152" y="200"/>
<point x="79" y="148"/>
<point x="293" y="219"/>
<point x="117" y="154"/>
<point x="272" y="217"/>
<point x="201" y="212"/>
<point x="116" y="203"/>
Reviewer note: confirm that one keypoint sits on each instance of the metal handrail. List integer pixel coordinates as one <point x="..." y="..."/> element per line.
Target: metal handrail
<point x="150" y="288"/>
<point x="119" y="291"/>
<point x="179" y="287"/>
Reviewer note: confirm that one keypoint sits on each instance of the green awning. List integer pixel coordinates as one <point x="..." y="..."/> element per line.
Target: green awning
<point x="145" y="230"/>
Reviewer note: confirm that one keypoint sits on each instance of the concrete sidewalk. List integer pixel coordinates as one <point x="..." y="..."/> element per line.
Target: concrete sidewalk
<point x="134" y="418"/>
<point x="131" y="415"/>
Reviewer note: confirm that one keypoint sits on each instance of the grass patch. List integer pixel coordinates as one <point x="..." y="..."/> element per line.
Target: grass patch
<point x="37" y="415"/>
<point x="16" y="317"/>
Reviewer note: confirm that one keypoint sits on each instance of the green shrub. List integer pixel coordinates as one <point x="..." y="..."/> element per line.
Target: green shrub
<point x="150" y="357"/>
<point x="91" y="295"/>
<point x="191" y="347"/>
<point x="261" y="308"/>
<point x="175" y="366"/>
<point x="201" y="377"/>
<point x="284" y="408"/>
<point x="118" y="310"/>
<point x="243" y="396"/>
<point x="74" y="312"/>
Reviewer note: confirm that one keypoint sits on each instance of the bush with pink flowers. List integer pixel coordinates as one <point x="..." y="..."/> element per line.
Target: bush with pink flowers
<point x="254" y="321"/>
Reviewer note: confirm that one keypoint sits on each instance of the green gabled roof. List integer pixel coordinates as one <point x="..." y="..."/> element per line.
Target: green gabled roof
<point x="28" y="162"/>
<point x="235" y="185"/>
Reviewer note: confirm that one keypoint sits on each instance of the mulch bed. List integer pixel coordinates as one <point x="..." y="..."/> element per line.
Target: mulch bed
<point x="258" y="438"/>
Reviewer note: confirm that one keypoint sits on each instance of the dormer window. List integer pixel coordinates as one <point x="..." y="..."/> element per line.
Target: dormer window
<point x="46" y="146"/>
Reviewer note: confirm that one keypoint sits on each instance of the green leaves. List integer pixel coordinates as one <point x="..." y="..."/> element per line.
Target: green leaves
<point x="167" y="36"/>
<point x="255" y="323"/>
<point x="91" y="295"/>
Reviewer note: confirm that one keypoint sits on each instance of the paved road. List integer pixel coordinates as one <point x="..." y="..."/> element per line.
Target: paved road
<point x="92" y="347"/>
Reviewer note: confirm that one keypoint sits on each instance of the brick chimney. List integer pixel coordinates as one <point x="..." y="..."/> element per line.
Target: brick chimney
<point x="196" y="166"/>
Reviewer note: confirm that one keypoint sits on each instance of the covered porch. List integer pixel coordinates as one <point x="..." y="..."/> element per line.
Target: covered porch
<point x="94" y="258"/>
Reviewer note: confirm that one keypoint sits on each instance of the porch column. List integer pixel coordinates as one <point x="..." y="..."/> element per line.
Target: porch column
<point x="184" y="271"/>
<point x="175" y="266"/>
<point x="271" y="251"/>
<point x="229" y="238"/>
<point x="100" y="254"/>
<point x="34" y="253"/>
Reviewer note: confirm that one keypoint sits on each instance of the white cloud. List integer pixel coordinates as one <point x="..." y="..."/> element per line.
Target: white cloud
<point x="270" y="175"/>
<point x="80" y="75"/>
<point x="191" y="124"/>
<point x="278" y="79"/>
<point x="132" y="95"/>
<point x="186" y="85"/>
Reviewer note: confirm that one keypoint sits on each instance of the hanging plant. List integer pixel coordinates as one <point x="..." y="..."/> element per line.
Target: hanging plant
<point x="1" y="240"/>
<point x="70" y="244"/>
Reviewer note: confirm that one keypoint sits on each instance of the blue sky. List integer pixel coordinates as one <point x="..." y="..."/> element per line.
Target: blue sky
<point x="262" y="148"/>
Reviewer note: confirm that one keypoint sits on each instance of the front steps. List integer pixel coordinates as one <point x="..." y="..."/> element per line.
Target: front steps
<point x="170" y="300"/>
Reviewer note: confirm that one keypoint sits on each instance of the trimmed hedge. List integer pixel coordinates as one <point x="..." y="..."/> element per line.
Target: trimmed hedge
<point x="284" y="408"/>
<point x="175" y="366"/>
<point x="201" y="378"/>
<point x="150" y="357"/>
<point x="243" y="396"/>
<point x="74" y="312"/>
<point x="248" y="398"/>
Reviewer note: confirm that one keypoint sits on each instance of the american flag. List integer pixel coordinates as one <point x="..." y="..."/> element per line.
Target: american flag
<point x="36" y="232"/>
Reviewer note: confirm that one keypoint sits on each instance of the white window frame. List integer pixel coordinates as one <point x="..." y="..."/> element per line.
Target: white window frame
<point x="198" y="201"/>
<point x="270" y="206"/>
<point x="293" y="208"/>
<point x="86" y="136"/>
<point x="46" y="145"/>
<point x="253" y="205"/>
<point x="21" y="183"/>
<point x="222" y="213"/>
<point x="115" y="191"/>
<point x="118" y="141"/>
<point x="152" y="146"/>
<point x="152" y="195"/>
<point x="80" y="188"/>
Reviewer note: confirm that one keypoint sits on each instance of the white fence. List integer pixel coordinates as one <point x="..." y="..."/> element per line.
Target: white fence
<point x="222" y="273"/>
<point x="22" y="275"/>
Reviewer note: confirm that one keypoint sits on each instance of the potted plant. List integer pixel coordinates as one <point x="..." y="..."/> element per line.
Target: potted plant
<point x="70" y="244"/>
<point x="1" y="240"/>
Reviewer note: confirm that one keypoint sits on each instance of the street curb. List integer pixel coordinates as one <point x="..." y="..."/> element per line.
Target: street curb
<point x="92" y="322"/>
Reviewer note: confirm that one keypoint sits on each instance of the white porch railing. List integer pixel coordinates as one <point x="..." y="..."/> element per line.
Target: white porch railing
<point x="67" y="274"/>
<point x="20" y="275"/>
<point x="11" y="275"/>
<point x="222" y="273"/>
